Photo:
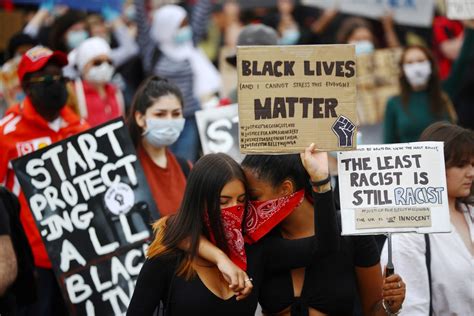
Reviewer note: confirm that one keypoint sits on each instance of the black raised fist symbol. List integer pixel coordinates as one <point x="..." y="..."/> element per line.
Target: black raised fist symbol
<point x="119" y="198"/>
<point x="344" y="129"/>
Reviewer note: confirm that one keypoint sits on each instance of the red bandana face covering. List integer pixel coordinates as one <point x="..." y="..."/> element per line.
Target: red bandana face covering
<point x="232" y="218"/>
<point x="263" y="216"/>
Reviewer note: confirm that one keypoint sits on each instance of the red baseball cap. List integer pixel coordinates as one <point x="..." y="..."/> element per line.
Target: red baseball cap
<point x="37" y="57"/>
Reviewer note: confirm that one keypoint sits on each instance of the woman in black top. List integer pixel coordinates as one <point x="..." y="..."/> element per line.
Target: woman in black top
<point x="328" y="285"/>
<point x="213" y="205"/>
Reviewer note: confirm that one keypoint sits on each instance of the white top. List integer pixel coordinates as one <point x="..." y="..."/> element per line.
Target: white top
<point x="452" y="272"/>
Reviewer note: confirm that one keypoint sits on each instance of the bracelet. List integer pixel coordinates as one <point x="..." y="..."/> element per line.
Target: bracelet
<point x="320" y="183"/>
<point x="388" y="311"/>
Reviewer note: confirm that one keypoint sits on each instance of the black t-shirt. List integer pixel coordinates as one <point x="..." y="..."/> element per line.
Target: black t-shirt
<point x="271" y="254"/>
<point x="4" y="220"/>
<point x="330" y="284"/>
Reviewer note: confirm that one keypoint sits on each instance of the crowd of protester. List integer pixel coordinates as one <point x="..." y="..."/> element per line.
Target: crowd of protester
<point x="155" y="63"/>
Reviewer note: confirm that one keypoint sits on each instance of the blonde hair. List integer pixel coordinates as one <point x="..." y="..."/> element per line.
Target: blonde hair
<point x="159" y="248"/>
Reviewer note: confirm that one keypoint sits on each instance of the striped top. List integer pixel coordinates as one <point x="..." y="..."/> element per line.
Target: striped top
<point x="179" y="73"/>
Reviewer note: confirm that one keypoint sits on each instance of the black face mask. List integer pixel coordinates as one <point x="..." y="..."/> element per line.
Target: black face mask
<point x="48" y="97"/>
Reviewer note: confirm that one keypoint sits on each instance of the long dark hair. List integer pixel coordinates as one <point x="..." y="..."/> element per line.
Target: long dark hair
<point x="277" y="168"/>
<point x="149" y="91"/>
<point x="439" y="101"/>
<point x="350" y="25"/>
<point x="458" y="147"/>
<point x="202" y="194"/>
<point x="60" y="26"/>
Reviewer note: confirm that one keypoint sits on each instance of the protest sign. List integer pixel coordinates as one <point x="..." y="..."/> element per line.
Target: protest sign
<point x="11" y="22"/>
<point x="292" y="96"/>
<point x="407" y="12"/>
<point x="228" y="74"/>
<point x="377" y="80"/>
<point x="93" y="208"/>
<point x="460" y="9"/>
<point x="393" y="188"/>
<point x="92" y="5"/>
<point x="218" y="131"/>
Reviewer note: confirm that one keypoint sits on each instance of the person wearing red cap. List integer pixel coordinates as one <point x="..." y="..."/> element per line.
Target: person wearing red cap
<point x="40" y="120"/>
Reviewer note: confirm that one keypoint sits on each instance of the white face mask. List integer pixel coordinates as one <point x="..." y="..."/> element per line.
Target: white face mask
<point x="417" y="74"/>
<point x="289" y="37"/>
<point x="163" y="132"/>
<point x="100" y="74"/>
<point x="363" y="47"/>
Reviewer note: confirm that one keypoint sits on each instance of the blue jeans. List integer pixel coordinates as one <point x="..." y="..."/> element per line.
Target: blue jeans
<point x="188" y="145"/>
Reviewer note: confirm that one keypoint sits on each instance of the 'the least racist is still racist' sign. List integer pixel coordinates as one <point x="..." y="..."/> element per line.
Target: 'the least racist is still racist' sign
<point x="92" y="206"/>
<point x="393" y="188"/>
<point x="292" y="96"/>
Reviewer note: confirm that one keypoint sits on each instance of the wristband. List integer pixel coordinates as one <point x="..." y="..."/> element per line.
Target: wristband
<point x="388" y="311"/>
<point x="320" y="183"/>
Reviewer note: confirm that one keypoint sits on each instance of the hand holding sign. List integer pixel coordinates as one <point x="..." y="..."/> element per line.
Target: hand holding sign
<point x="344" y="129"/>
<point x="393" y="293"/>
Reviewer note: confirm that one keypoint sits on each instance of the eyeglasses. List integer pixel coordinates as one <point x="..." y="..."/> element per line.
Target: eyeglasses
<point x="100" y="62"/>
<point x="48" y="79"/>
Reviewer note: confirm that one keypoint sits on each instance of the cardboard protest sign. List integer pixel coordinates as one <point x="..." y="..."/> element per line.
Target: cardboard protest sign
<point x="228" y="74"/>
<point x="377" y="80"/>
<point x="407" y="12"/>
<point x="393" y="188"/>
<point x="218" y="131"/>
<point x="93" y="5"/>
<point x="460" y="9"/>
<point x="292" y="96"/>
<point x="93" y="209"/>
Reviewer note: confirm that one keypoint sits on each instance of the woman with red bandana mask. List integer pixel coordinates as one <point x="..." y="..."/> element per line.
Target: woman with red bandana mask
<point x="214" y="206"/>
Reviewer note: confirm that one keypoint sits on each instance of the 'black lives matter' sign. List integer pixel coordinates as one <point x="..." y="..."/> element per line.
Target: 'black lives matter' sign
<point x="292" y="96"/>
<point x="93" y="209"/>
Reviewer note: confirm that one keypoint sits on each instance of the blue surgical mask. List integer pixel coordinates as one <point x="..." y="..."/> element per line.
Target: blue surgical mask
<point x="163" y="132"/>
<point x="289" y="37"/>
<point x="75" y="38"/>
<point x="183" y="35"/>
<point x="364" y="47"/>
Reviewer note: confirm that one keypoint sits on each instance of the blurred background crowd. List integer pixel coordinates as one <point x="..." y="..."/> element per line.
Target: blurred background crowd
<point x="115" y="46"/>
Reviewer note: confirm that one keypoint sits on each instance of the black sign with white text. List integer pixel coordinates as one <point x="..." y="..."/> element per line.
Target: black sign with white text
<point x="93" y="209"/>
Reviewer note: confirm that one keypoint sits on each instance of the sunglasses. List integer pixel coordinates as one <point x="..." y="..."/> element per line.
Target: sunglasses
<point x="100" y="62"/>
<point x="48" y="79"/>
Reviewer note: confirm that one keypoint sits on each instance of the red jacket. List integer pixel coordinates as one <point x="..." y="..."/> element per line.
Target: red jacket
<point x="22" y="131"/>
<point x="95" y="109"/>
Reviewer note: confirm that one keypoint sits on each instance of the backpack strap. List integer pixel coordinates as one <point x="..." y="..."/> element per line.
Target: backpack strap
<point x="80" y="98"/>
<point x="428" y="267"/>
<point x="184" y="164"/>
